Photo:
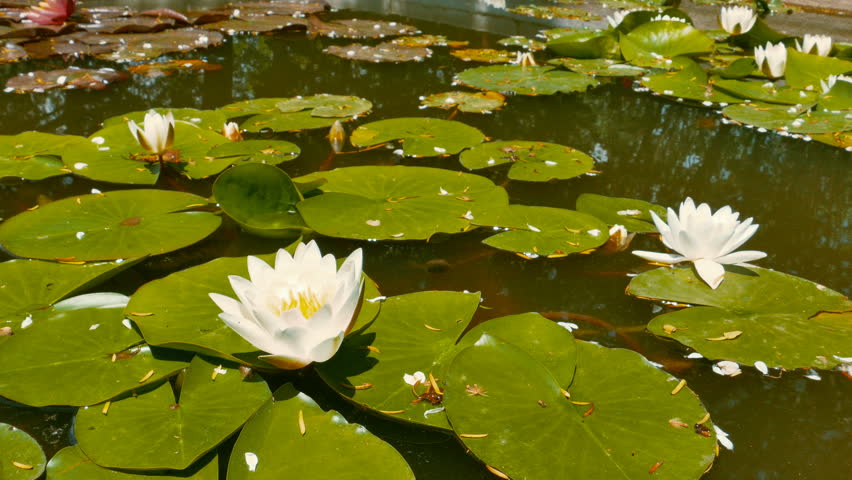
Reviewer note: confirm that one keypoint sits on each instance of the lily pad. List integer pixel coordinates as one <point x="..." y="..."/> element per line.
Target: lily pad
<point x="691" y="83"/>
<point x="397" y="202"/>
<point x="35" y="155"/>
<point x="634" y="215"/>
<point x="586" y="44"/>
<point x="383" y="52"/>
<point x="355" y="28"/>
<point x="413" y="332"/>
<point x="275" y="439"/>
<point x="258" y="24"/>
<point x="119" y="224"/>
<point x="527" y="43"/>
<point x="71" y="463"/>
<point x="479" y="102"/>
<point x="549" y="13"/>
<point x="21" y="457"/>
<point x="599" y="67"/>
<point x="207" y="119"/>
<point x="792" y="119"/>
<point x="525" y="80"/>
<point x="178" y="428"/>
<point x="543" y="231"/>
<point x="11" y="53"/>
<point x="261" y="198"/>
<point x="298" y="113"/>
<point x="667" y="39"/>
<point x="271" y="152"/>
<point x="486" y="55"/>
<point x="79" y="352"/>
<point x="176" y="311"/>
<point x="804" y="70"/>
<point x="531" y="161"/>
<point x="145" y="46"/>
<point x="615" y="424"/>
<point x="428" y="41"/>
<point x="766" y="92"/>
<point x="65" y="78"/>
<point x="170" y="67"/>
<point x="780" y="316"/>
<point x="420" y="137"/>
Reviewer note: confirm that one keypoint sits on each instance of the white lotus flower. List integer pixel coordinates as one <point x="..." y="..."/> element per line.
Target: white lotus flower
<point x="706" y="239"/>
<point x="737" y="20"/>
<point x="297" y="311"/>
<point x="232" y="132"/>
<point x="772" y="59"/>
<point x="815" y="44"/>
<point x="157" y="134"/>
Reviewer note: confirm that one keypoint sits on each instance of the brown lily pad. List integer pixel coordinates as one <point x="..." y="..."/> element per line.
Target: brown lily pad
<point x="66" y="78"/>
<point x="164" y="69"/>
<point x="11" y="52"/>
<point x="355" y="28"/>
<point x="96" y="14"/>
<point x="292" y="9"/>
<point x="486" y="55"/>
<point x="471" y="102"/>
<point x="134" y="24"/>
<point x="32" y="30"/>
<point x="126" y="46"/>
<point x="428" y="41"/>
<point x="383" y="52"/>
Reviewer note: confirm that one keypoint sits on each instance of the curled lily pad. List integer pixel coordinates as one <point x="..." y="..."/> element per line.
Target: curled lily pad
<point x="653" y="42"/>
<point x="531" y="161"/>
<point x="178" y="429"/>
<point x="780" y="316"/>
<point x="414" y="332"/>
<point x="262" y="7"/>
<point x="21" y="457"/>
<point x="355" y="28"/>
<point x="543" y="231"/>
<point x="65" y="78"/>
<point x="634" y="215"/>
<point x="35" y="155"/>
<point x="383" y="52"/>
<point x="525" y="80"/>
<point x="600" y="67"/>
<point x="127" y="46"/>
<point x="397" y="202"/>
<point x="71" y="463"/>
<point x="79" y="352"/>
<point x="298" y="113"/>
<point x="119" y="224"/>
<point x="292" y="433"/>
<point x="420" y="137"/>
<point x="479" y="102"/>
<point x="486" y="55"/>
<point x="793" y="119"/>
<point x="167" y="68"/>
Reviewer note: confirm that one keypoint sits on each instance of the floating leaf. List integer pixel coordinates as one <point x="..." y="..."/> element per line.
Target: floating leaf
<point x="177" y="431"/>
<point x="548" y="12"/>
<point x="71" y="463"/>
<point x="428" y="41"/>
<point x="804" y="70"/>
<point x="766" y="92"/>
<point x="776" y="313"/>
<point x="651" y="42"/>
<point x="791" y="119"/>
<point x="414" y="332"/>
<point x="119" y="224"/>
<point x="525" y="80"/>
<point x="167" y="68"/>
<point x="65" y="78"/>
<point x="615" y="425"/>
<point x="125" y="47"/>
<point x="285" y="114"/>
<point x="601" y="67"/>
<point x="35" y="155"/>
<point x="78" y="352"/>
<point x="487" y="55"/>
<point x="355" y="28"/>
<point x="274" y="440"/>
<point x="207" y="119"/>
<point x="531" y="161"/>
<point x="21" y="457"/>
<point x="397" y="202"/>
<point x="479" y="102"/>
<point x="634" y="215"/>
<point x="271" y="152"/>
<point x="383" y="52"/>
<point x="420" y="137"/>
<point x="543" y="231"/>
<point x="530" y="44"/>
<point x="586" y="44"/>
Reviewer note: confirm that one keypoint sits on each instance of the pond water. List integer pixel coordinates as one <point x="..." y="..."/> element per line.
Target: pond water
<point x="645" y="147"/>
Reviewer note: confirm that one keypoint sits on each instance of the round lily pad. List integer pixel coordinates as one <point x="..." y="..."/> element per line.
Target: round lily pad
<point x="791" y="119"/>
<point x="690" y="82"/>
<point x="383" y="52"/>
<point x="599" y="67"/>
<point x="765" y="92"/>
<point x="35" y="155"/>
<point x="428" y="40"/>
<point x="298" y="113"/>
<point x="550" y="12"/>
<point x="531" y="161"/>
<point x="472" y="102"/>
<point x="668" y="39"/>
<point x="634" y="215"/>
<point x="21" y="457"/>
<point x="71" y="463"/>
<point x="118" y="224"/>
<point x="292" y="434"/>
<point x="178" y="429"/>
<point x="525" y="80"/>
<point x="271" y="152"/>
<point x="543" y="231"/>
<point x="170" y="67"/>
<point x="614" y="422"/>
<point x="206" y="119"/>
<point x="485" y="55"/>
<point x="420" y="137"/>
<point x="785" y="321"/>
<point x="397" y="202"/>
<point x="414" y="332"/>
<point x="78" y="352"/>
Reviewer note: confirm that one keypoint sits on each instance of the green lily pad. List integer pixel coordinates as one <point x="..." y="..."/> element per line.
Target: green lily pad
<point x="478" y="102"/>
<point x="414" y="332"/>
<point x="271" y="152"/>
<point x="667" y="39"/>
<point x="397" y="202"/>
<point x="78" y="352"/>
<point x="527" y="43"/>
<point x="485" y="55"/>
<point x="634" y="215"/>
<point x="274" y="439"/>
<point x="420" y="137"/>
<point x="18" y="447"/>
<point x="429" y="40"/>
<point x="118" y="224"/>
<point x="766" y="92"/>
<point x="525" y="80"/>
<point x="839" y="97"/>
<point x="792" y="119"/>
<point x="804" y="70"/>
<point x="584" y="44"/>
<point x="177" y="429"/>
<point x="523" y="425"/>
<point x="35" y="155"/>
<point x="599" y="67"/>
<point x="691" y="83"/>
<point x="176" y="311"/>
<point x="286" y="122"/>
<point x="30" y="285"/>
<point x="207" y="119"/>
<point x="71" y="463"/>
<point x="297" y="113"/>
<point x="543" y="231"/>
<point x="531" y="161"/>
<point x="778" y="315"/>
<point x="261" y="198"/>
<point x="383" y="52"/>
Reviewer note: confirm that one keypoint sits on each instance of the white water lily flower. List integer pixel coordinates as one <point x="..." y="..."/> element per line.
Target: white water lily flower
<point x="415" y="379"/>
<point x="737" y="20"/>
<point x="815" y="44"/>
<point x="772" y="59"/>
<point x="157" y="134"/>
<point x="706" y="239"/>
<point x="298" y="311"/>
<point x="232" y="132"/>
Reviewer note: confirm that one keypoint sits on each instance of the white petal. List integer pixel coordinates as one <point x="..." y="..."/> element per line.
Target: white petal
<point x="669" y="258"/>
<point x="259" y="271"/>
<point x="226" y="304"/>
<point x="709" y="271"/>
<point x="326" y="349"/>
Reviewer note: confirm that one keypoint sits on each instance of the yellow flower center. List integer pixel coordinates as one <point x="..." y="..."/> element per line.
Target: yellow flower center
<point x="306" y="301"/>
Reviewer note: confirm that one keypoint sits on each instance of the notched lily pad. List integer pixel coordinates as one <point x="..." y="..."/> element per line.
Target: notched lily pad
<point x="272" y="152"/>
<point x="484" y="102"/>
<point x="71" y="463"/>
<point x="35" y="155"/>
<point x="420" y="137"/>
<point x="167" y="68"/>
<point x="297" y="113"/>
<point x="65" y="78"/>
<point x="525" y="80"/>
<point x="354" y="28"/>
<point x="531" y="161"/>
<point x="383" y="52"/>
<point x="599" y="67"/>
<point x="634" y="215"/>
<point x="21" y="457"/>
<point x="257" y="24"/>
<point x="485" y="55"/>
<point x="691" y="83"/>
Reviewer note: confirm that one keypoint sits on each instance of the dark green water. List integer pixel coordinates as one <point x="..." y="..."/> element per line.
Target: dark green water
<point x="647" y="148"/>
